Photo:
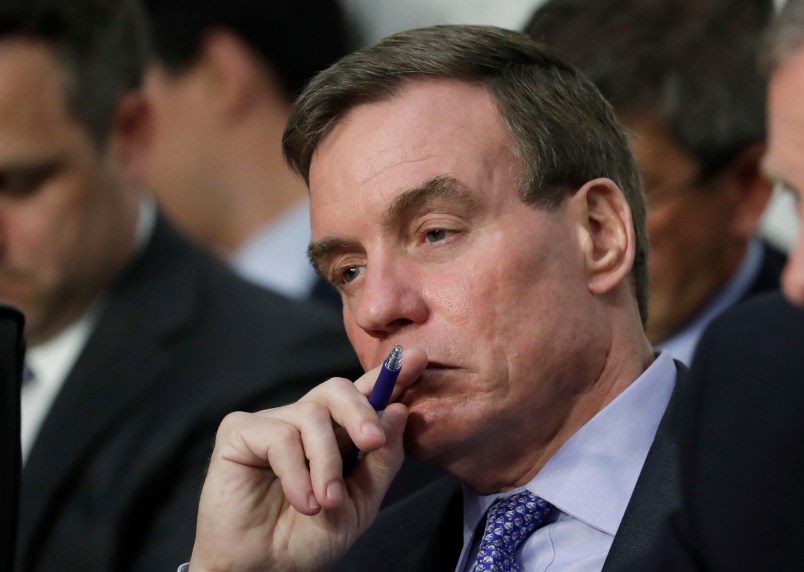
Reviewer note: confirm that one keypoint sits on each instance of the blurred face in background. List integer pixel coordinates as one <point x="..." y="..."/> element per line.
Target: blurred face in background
<point x="66" y="222"/>
<point x="697" y="229"/>
<point x="784" y="161"/>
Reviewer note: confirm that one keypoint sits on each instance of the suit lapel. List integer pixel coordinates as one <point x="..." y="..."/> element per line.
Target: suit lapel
<point x="122" y="359"/>
<point x="658" y="490"/>
<point x="442" y="550"/>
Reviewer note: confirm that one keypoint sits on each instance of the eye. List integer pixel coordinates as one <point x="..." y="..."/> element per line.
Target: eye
<point x="26" y="181"/>
<point x="350" y="273"/>
<point x="436" y="235"/>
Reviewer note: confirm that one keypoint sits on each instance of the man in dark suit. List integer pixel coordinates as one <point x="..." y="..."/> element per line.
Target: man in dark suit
<point x="743" y="428"/>
<point x="215" y="162"/>
<point x="139" y="343"/>
<point x="475" y="201"/>
<point x="743" y="457"/>
<point x="683" y="79"/>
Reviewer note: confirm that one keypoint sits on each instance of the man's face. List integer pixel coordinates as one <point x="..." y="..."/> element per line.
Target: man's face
<point x="180" y="163"/>
<point x="694" y="249"/>
<point x="785" y="157"/>
<point x="65" y="222"/>
<point x="417" y="218"/>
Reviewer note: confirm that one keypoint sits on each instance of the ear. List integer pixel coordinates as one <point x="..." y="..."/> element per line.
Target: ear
<point x="231" y="71"/>
<point x="132" y="132"/>
<point x="606" y="234"/>
<point x="752" y="190"/>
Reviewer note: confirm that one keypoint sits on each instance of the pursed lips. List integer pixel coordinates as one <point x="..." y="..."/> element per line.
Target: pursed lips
<point x="428" y="381"/>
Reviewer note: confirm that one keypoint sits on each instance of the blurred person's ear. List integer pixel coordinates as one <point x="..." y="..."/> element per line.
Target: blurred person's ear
<point x="750" y="189"/>
<point x="132" y="132"/>
<point x="606" y="233"/>
<point x="232" y="73"/>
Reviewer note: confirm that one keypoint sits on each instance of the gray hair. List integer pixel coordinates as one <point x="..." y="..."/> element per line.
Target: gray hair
<point x="787" y="34"/>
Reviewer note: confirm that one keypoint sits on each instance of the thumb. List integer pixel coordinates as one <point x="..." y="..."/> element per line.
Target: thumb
<point x="375" y="472"/>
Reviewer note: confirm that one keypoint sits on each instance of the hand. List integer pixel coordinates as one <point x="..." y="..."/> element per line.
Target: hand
<point x="274" y="498"/>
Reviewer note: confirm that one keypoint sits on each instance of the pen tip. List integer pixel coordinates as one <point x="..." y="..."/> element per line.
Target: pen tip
<point x="394" y="361"/>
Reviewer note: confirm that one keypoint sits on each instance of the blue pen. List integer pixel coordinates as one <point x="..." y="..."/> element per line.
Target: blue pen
<point x="379" y="398"/>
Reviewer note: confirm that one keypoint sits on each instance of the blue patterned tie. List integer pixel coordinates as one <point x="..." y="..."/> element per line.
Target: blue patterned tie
<point x="509" y="522"/>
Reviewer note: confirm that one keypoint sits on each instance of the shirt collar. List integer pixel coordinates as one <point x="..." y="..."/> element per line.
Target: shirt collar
<point x="591" y="478"/>
<point x="276" y="257"/>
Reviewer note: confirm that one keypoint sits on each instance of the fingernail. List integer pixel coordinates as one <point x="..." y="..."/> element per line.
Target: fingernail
<point x="371" y="429"/>
<point x="312" y="503"/>
<point x="335" y="491"/>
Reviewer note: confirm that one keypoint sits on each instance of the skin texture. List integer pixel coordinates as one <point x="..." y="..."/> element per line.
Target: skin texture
<point x="477" y="246"/>
<point x="66" y="220"/>
<point x="516" y="321"/>
<point x="783" y="160"/>
<point x="697" y="236"/>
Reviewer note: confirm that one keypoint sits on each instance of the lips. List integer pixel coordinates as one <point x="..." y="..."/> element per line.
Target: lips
<point x="431" y="382"/>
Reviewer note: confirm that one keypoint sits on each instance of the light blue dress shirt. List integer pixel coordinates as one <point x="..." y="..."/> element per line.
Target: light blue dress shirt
<point x="682" y="344"/>
<point x="589" y="480"/>
<point x="276" y="257"/>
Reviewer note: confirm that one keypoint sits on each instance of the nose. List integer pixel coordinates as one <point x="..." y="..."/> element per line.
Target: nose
<point x="793" y="277"/>
<point x="389" y="300"/>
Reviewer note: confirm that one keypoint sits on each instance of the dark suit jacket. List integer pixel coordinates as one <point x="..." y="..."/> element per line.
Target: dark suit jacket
<point x="424" y="533"/>
<point x="11" y="359"/>
<point x="112" y="482"/>
<point x="770" y="272"/>
<point x="742" y="447"/>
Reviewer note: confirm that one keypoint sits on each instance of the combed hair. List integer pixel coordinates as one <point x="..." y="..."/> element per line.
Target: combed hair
<point x="295" y="39"/>
<point x="563" y="132"/>
<point x="101" y="46"/>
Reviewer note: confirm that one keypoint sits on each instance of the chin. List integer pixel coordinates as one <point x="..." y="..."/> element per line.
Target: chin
<point x="430" y="431"/>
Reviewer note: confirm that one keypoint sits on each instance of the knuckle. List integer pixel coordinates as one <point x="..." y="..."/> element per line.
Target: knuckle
<point x="232" y="422"/>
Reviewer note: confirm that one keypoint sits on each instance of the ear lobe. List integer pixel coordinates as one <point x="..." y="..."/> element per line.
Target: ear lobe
<point x="607" y="234"/>
<point x="132" y="133"/>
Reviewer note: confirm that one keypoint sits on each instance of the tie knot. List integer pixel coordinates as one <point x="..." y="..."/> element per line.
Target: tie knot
<point x="510" y="521"/>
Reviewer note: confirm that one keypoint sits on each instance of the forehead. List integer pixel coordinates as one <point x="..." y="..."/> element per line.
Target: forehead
<point x="429" y="129"/>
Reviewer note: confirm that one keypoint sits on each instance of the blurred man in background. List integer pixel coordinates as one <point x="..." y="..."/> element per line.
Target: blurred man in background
<point x="682" y="77"/>
<point x="222" y="82"/>
<point x="743" y="437"/>
<point x="138" y="342"/>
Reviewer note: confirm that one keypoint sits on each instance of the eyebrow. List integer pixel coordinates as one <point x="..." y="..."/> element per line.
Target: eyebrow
<point x="440" y="189"/>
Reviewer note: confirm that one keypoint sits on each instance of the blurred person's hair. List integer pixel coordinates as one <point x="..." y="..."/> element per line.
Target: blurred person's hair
<point x="295" y="39"/>
<point x="690" y="64"/>
<point x="787" y="34"/>
<point x="100" y="45"/>
<point x="563" y="131"/>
